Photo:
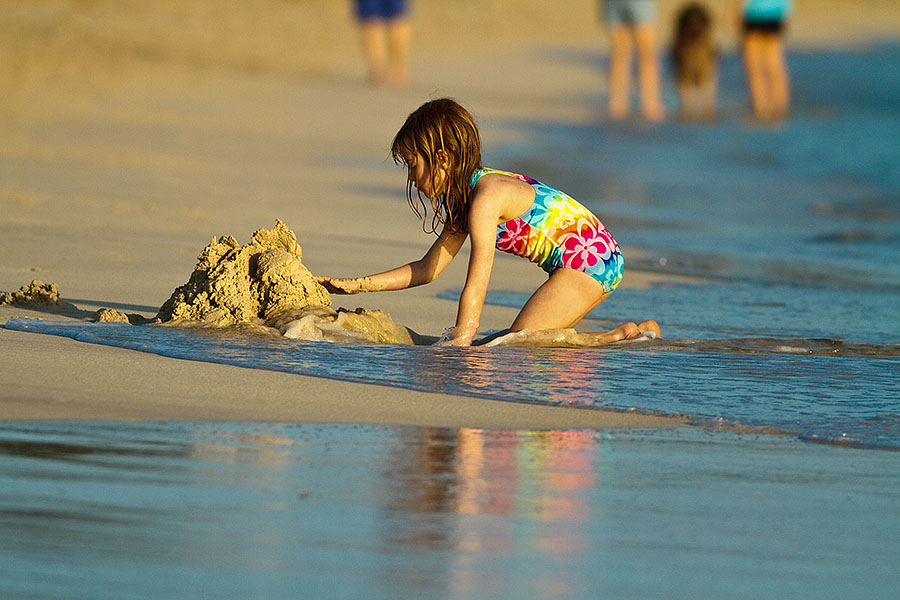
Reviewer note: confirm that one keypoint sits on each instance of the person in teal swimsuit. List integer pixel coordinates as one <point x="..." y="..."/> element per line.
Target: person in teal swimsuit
<point x="762" y="24"/>
<point x="441" y="147"/>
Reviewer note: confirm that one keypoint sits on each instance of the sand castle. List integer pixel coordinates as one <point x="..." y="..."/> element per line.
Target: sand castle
<point x="263" y="284"/>
<point x="36" y="293"/>
<point x="253" y="283"/>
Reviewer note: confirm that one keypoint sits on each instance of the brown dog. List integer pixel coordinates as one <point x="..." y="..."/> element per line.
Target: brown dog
<point x="696" y="62"/>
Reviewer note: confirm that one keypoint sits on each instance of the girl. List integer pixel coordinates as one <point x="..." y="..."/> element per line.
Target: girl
<point x="440" y="146"/>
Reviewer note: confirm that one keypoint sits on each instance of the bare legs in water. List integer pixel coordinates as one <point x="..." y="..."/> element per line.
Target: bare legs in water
<point x="565" y="299"/>
<point x="622" y="44"/>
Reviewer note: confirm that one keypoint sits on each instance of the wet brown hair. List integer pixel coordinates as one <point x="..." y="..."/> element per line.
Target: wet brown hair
<point x="444" y="125"/>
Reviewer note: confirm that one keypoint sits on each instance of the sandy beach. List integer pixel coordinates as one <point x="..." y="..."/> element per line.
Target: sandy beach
<point x="131" y="136"/>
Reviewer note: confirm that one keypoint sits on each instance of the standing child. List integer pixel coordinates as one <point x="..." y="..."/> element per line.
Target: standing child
<point x="632" y="23"/>
<point x="762" y="25"/>
<point x="386" y="34"/>
<point x="440" y="145"/>
<point x="695" y="61"/>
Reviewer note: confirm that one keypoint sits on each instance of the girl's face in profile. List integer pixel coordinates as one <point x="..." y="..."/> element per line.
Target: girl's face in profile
<point x="420" y="174"/>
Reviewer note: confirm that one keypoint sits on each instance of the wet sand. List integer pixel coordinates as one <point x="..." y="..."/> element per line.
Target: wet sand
<point x="125" y="151"/>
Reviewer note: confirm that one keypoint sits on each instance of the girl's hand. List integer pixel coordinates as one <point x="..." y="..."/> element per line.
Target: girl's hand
<point x="342" y="286"/>
<point x="449" y="338"/>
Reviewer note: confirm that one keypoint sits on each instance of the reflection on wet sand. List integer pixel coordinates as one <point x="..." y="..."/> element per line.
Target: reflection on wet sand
<point x="494" y="494"/>
<point x="91" y="510"/>
<point x="549" y="374"/>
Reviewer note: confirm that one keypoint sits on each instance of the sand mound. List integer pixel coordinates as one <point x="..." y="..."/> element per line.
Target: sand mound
<point x="110" y="315"/>
<point x="37" y="294"/>
<point x="343" y="325"/>
<point x="44" y="297"/>
<point x="252" y="283"/>
<point x="265" y="283"/>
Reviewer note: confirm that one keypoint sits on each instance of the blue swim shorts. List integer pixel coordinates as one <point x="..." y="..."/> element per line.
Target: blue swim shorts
<point x="629" y="12"/>
<point x="380" y="9"/>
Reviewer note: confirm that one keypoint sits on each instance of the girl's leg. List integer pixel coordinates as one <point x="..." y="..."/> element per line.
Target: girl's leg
<point x="564" y="299"/>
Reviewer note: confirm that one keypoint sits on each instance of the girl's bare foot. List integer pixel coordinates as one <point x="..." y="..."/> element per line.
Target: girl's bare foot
<point x="625" y="331"/>
<point x="650" y="325"/>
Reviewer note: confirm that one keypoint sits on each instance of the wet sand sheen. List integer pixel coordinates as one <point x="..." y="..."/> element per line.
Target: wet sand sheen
<point x="119" y="384"/>
<point x="376" y="511"/>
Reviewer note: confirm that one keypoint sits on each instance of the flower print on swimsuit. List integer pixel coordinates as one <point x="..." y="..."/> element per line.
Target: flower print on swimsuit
<point x="539" y="211"/>
<point x="562" y="213"/>
<point x="612" y="276"/>
<point x="562" y="220"/>
<point x="525" y="178"/>
<point x="584" y="247"/>
<point x="514" y="237"/>
<point x="538" y="249"/>
<point x="611" y="244"/>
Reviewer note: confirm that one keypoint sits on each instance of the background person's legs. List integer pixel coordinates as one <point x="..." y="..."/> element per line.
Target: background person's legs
<point x="619" y="72"/>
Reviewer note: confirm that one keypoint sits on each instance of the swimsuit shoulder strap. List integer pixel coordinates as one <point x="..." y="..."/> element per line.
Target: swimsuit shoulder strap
<point x="478" y="175"/>
<point x="485" y="170"/>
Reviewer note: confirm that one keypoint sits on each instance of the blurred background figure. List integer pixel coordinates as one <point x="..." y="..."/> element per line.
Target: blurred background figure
<point x="762" y="24"/>
<point x="695" y="62"/>
<point x="632" y="23"/>
<point x="386" y="35"/>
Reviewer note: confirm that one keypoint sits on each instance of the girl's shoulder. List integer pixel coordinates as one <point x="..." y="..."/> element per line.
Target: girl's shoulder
<point x="502" y="194"/>
<point x="477" y="175"/>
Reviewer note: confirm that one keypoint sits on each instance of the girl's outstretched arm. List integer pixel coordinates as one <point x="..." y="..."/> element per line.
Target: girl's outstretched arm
<point x="419" y="272"/>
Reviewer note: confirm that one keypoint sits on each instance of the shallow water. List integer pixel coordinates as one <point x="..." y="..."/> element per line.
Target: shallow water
<point x="843" y="399"/>
<point x="243" y="510"/>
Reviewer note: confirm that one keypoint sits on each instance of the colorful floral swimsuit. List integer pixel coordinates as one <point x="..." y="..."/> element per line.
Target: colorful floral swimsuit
<point x="557" y="231"/>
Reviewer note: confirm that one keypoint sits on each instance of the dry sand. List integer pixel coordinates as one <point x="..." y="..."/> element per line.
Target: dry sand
<point x="133" y="132"/>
